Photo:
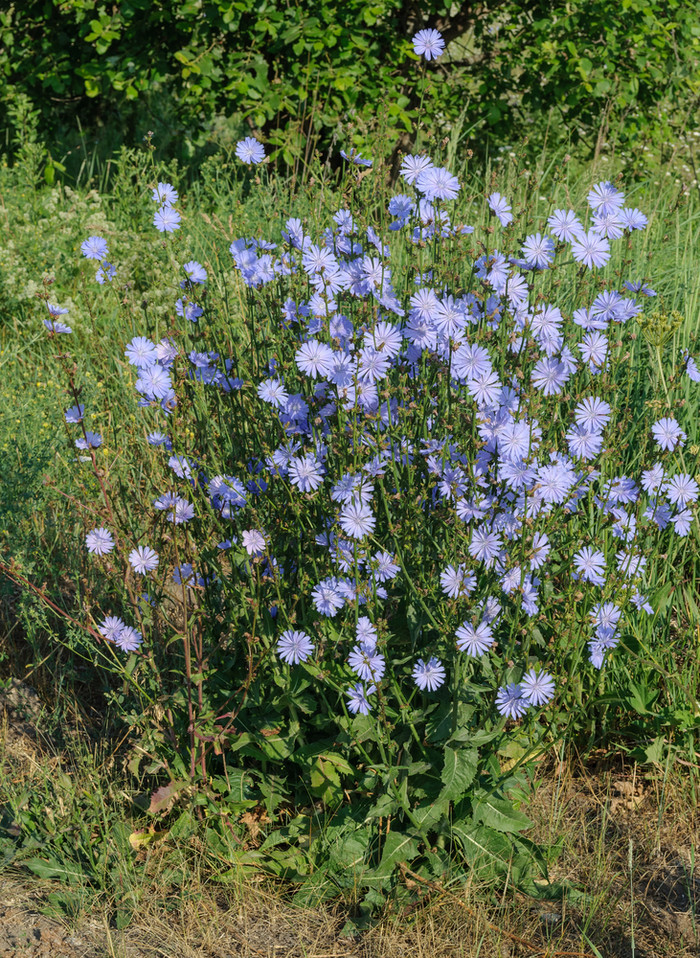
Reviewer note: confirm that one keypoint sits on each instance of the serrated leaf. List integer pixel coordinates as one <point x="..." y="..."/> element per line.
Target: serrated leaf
<point x="483" y="847"/>
<point x="347" y="856"/>
<point x="325" y="777"/>
<point x="397" y="848"/>
<point x="499" y="814"/>
<point x="537" y="855"/>
<point x="480" y="737"/>
<point x="655" y="752"/>
<point x="184" y="826"/>
<point x="458" y="772"/>
<point x="236" y="791"/>
<point x="385" y="805"/>
<point x="429" y="813"/>
<point x="640" y="698"/>
<point x="435" y="863"/>
<point x="316" y="889"/>
<point x="134" y="763"/>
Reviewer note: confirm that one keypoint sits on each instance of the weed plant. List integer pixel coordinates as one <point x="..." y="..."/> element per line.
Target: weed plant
<point x="381" y="505"/>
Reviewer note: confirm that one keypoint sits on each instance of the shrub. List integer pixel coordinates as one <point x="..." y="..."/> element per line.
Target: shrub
<point x="302" y="72"/>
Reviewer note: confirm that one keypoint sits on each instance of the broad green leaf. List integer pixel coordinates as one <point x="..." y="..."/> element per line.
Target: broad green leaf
<point x="184" y="826"/>
<point x="316" y="889"/>
<point x="483" y="847"/>
<point x="413" y="620"/>
<point x="397" y="848"/>
<point x="325" y="777"/>
<point x="630" y="642"/>
<point x="428" y="813"/>
<point x="276" y="747"/>
<point x="348" y="854"/>
<point x="92" y="88"/>
<point x="46" y="869"/>
<point x="385" y="805"/>
<point x="236" y="791"/>
<point x="498" y="813"/>
<point x="640" y="697"/>
<point x="458" y="772"/>
<point x="655" y="752"/>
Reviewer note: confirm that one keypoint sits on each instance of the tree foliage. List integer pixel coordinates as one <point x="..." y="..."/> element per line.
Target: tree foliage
<point x="305" y="72"/>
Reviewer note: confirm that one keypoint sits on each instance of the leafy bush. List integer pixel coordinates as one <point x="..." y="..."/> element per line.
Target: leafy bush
<point x="307" y="73"/>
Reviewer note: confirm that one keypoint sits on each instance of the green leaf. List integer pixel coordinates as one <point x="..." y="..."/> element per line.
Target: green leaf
<point x="92" y="88"/>
<point x="641" y="698"/>
<point x="95" y="30"/>
<point x="184" y="826"/>
<point x="458" y="772"/>
<point x="483" y="847"/>
<point x="439" y="726"/>
<point x="46" y="869"/>
<point x="538" y="855"/>
<point x="660" y="598"/>
<point x="428" y="813"/>
<point x="315" y="890"/>
<point x="397" y="848"/>
<point x="325" y="777"/>
<point x="413" y="621"/>
<point x="498" y="813"/>
<point x="235" y="785"/>
<point x="631" y="643"/>
<point x="64" y="903"/>
<point x="691" y="603"/>
<point x="655" y="752"/>
<point x="276" y="747"/>
<point x="348" y="855"/>
<point x="385" y="805"/>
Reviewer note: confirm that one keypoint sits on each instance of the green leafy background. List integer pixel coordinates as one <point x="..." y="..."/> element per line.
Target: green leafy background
<point x="204" y="72"/>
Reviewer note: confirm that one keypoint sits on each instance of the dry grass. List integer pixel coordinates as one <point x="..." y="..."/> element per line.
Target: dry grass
<point x="629" y="837"/>
<point x="599" y="813"/>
